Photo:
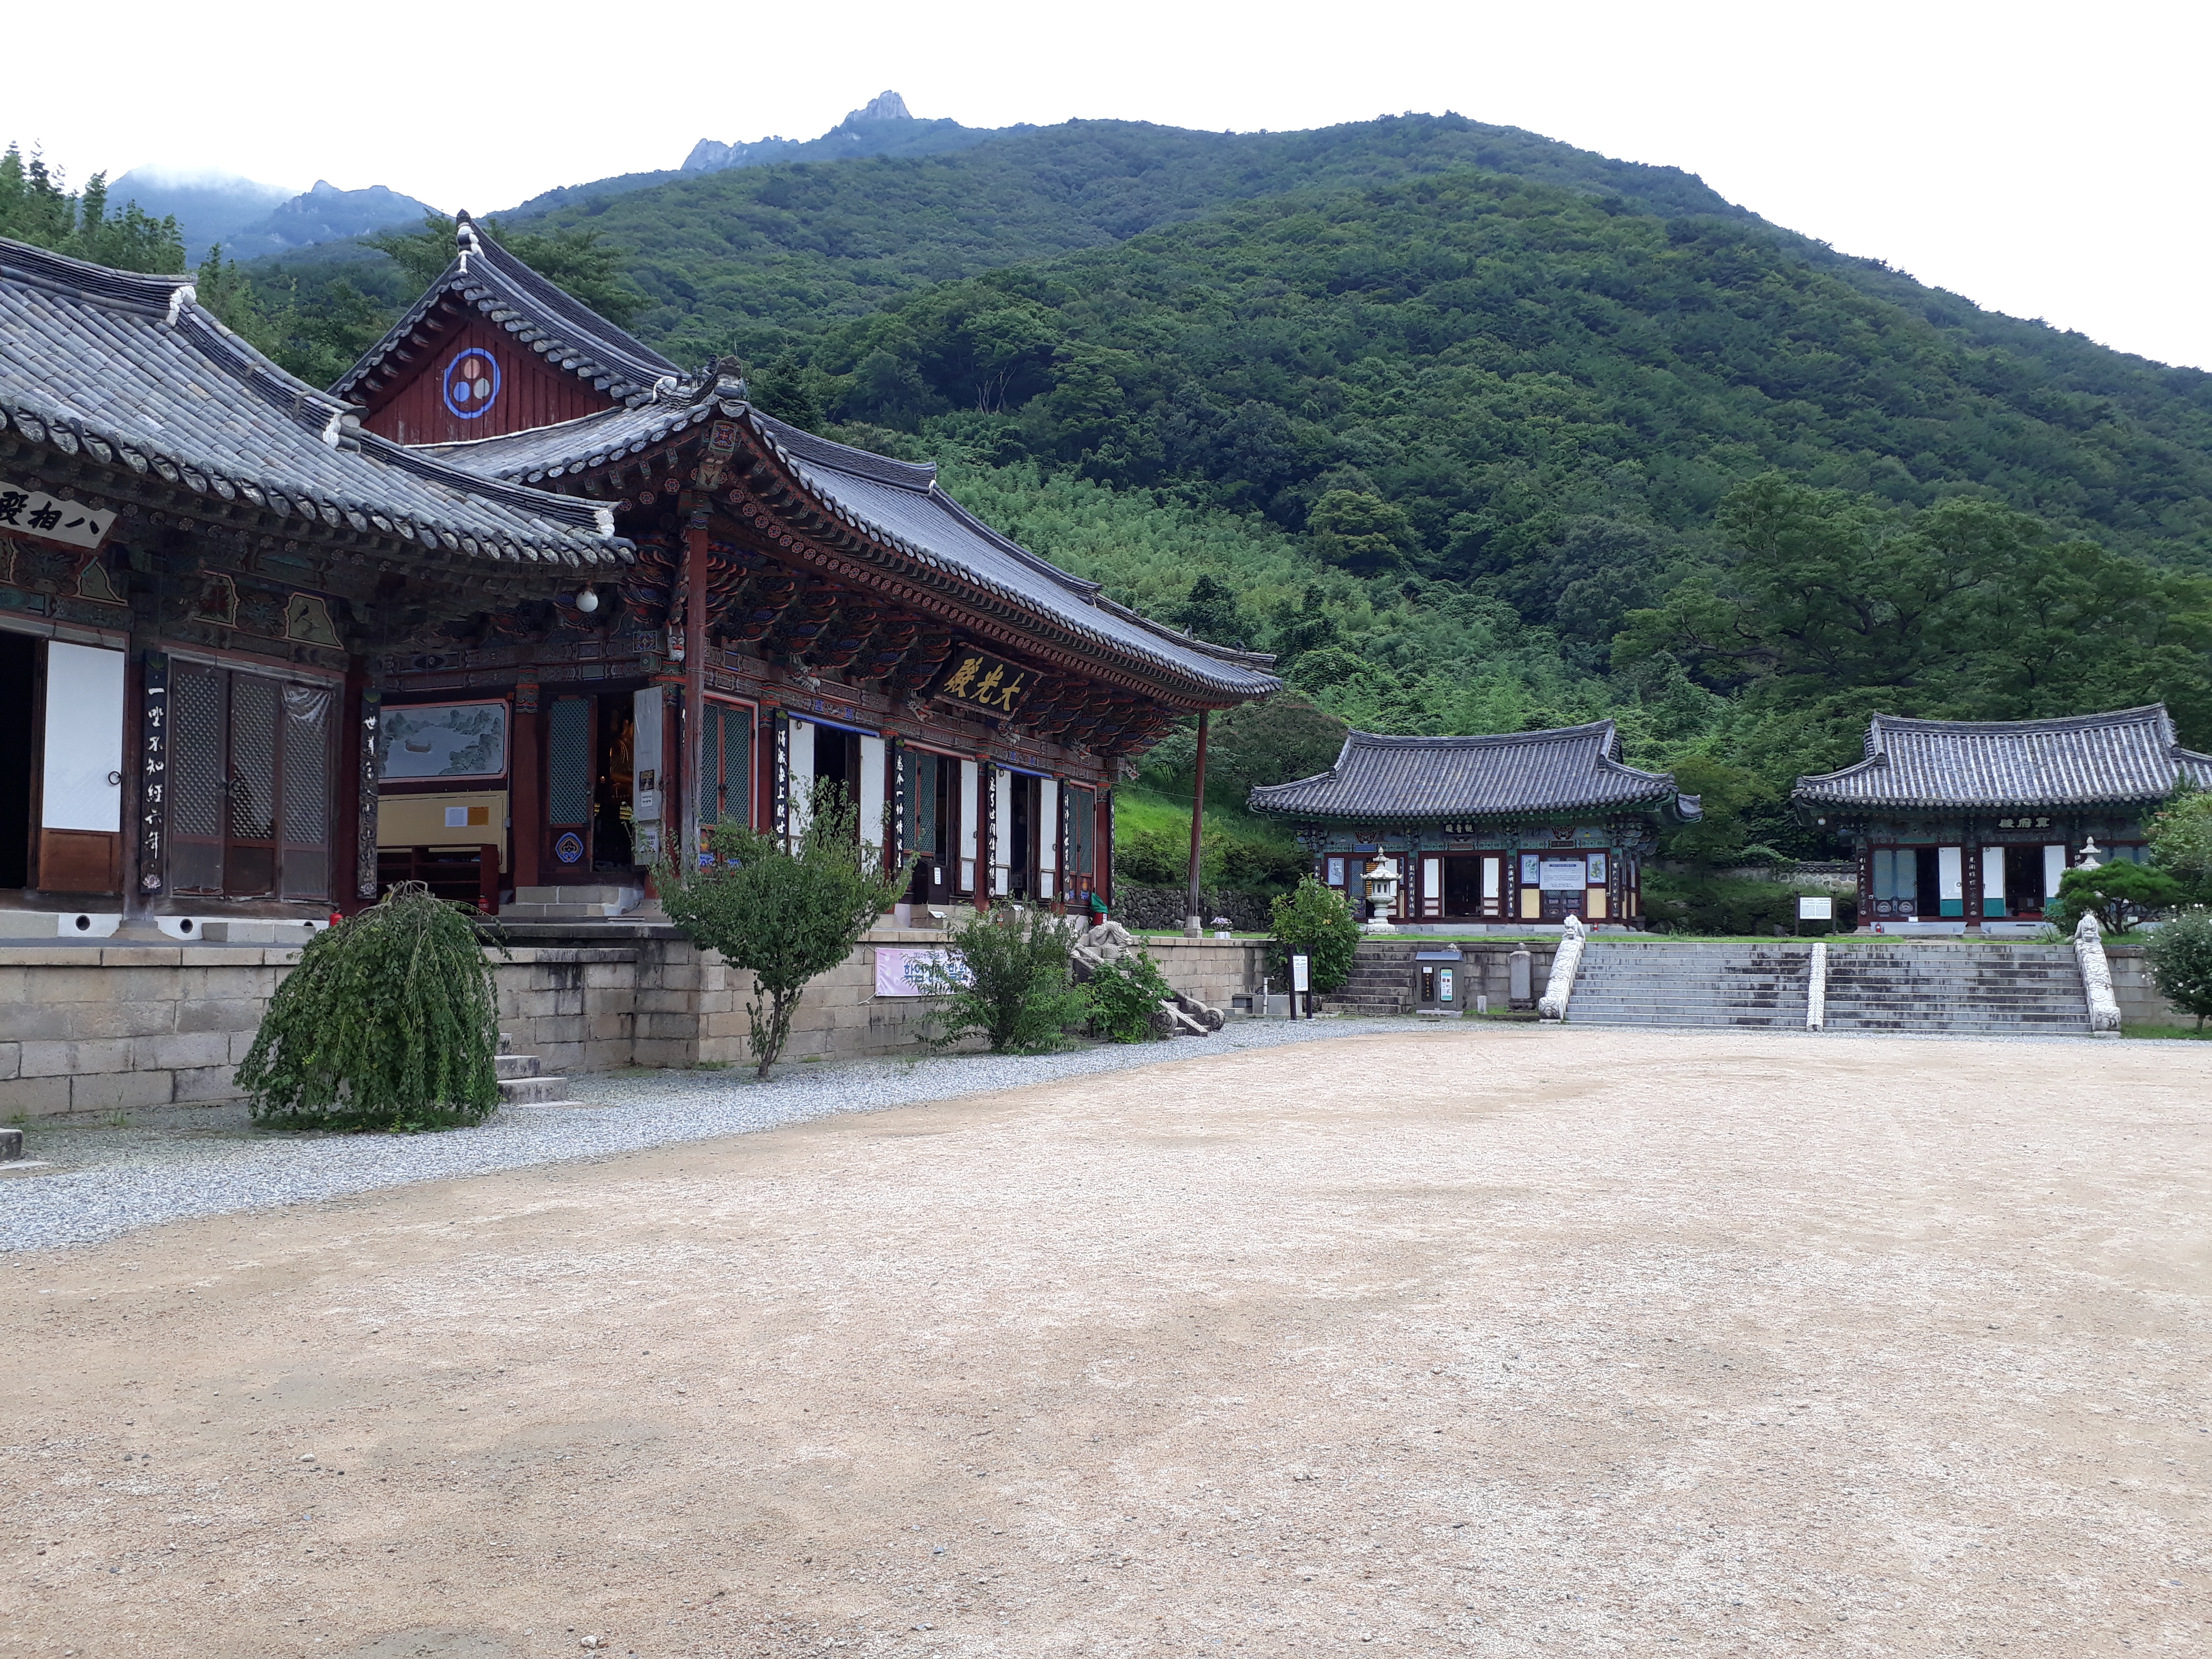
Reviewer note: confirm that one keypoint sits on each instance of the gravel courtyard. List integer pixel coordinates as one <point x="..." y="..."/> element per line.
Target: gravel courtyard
<point x="1501" y="1341"/>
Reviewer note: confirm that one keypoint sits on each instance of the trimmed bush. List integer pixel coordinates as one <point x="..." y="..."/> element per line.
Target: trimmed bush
<point x="1317" y="922"/>
<point x="389" y="1023"/>
<point x="1698" y="902"/>
<point x="2120" y="893"/>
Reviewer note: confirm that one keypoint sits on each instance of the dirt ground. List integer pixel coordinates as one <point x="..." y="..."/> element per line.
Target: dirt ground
<point x="1491" y="1342"/>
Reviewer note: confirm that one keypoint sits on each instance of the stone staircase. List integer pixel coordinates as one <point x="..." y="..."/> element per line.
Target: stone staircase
<point x="1964" y="990"/>
<point x="593" y="903"/>
<point x="1381" y="984"/>
<point x="522" y="1081"/>
<point x="1656" y="983"/>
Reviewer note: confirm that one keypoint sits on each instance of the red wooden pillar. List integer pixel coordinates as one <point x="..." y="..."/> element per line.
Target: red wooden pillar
<point x="1102" y="853"/>
<point x="353" y="836"/>
<point x="526" y="789"/>
<point x="695" y="680"/>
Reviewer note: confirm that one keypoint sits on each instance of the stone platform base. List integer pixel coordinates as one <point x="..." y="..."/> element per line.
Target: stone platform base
<point x="94" y="1028"/>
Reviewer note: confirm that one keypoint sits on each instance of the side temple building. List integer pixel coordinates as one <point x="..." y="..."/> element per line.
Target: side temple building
<point x="1519" y="828"/>
<point x="1960" y="824"/>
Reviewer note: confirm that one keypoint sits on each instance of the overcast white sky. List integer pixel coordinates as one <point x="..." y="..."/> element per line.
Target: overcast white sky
<point x="2043" y="159"/>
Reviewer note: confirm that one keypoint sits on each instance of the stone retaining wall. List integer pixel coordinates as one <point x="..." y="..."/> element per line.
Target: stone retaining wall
<point x="91" y="1029"/>
<point x="2140" y="1002"/>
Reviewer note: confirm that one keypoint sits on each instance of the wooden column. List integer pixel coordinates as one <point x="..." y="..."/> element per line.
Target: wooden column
<point x="346" y="896"/>
<point x="693" y="725"/>
<point x="986" y="829"/>
<point x="526" y="787"/>
<point x="1101" y="851"/>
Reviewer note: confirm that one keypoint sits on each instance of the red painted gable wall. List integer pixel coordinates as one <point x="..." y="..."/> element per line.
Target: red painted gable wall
<point x="434" y="407"/>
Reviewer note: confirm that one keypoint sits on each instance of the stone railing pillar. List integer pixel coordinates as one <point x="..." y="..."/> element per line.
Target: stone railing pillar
<point x="1816" y="989"/>
<point x="1564" y="966"/>
<point x="2096" y="978"/>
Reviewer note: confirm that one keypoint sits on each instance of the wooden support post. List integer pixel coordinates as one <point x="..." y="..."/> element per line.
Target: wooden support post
<point x="525" y="788"/>
<point x="695" y="690"/>
<point x="1194" y="923"/>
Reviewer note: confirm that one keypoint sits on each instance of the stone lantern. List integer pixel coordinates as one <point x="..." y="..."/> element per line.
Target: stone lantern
<point x="1381" y="892"/>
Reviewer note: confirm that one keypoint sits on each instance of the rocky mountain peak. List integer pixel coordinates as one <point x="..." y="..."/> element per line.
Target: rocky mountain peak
<point x="883" y="106"/>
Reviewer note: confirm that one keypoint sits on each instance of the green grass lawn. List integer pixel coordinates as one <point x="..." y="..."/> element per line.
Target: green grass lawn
<point x="1136" y="808"/>
<point x="2181" y="1033"/>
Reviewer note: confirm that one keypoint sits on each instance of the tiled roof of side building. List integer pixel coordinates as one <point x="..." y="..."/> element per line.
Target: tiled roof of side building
<point x="131" y="370"/>
<point x="897" y="503"/>
<point x="1565" y="769"/>
<point x="2129" y="755"/>
<point x="570" y="337"/>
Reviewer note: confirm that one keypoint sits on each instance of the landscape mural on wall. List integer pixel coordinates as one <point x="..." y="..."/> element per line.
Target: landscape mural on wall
<point x="442" y="741"/>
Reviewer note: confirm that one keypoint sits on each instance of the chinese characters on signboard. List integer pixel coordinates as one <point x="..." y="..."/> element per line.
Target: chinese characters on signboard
<point x="981" y="682"/>
<point x="37" y="513"/>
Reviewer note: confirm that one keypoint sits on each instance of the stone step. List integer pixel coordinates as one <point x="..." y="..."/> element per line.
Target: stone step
<point x="562" y="912"/>
<point x="1678" y="1022"/>
<point x="586" y="900"/>
<point x="513" y="1065"/>
<point x="583" y="892"/>
<point x="532" y="1091"/>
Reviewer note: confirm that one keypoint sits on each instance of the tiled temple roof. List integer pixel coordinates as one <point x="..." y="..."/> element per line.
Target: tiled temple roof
<point x="570" y="337"/>
<point x="2130" y="755"/>
<point x="131" y="371"/>
<point x="1566" y="768"/>
<point x="898" y="503"/>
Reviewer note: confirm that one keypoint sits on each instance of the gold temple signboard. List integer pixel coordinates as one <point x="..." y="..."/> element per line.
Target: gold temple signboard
<point x="979" y="682"/>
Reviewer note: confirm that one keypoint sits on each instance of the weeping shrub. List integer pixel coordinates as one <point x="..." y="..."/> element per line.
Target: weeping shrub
<point x="389" y="1023"/>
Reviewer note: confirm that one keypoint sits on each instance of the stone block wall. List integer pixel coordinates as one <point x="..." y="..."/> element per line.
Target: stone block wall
<point x="89" y="1029"/>
<point x="97" y="1028"/>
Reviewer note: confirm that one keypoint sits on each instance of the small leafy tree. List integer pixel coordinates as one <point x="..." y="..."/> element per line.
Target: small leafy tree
<point x="2181" y="842"/>
<point x="1317" y="922"/>
<point x="1125" y="994"/>
<point x="389" y="1022"/>
<point x="785" y="916"/>
<point x="2118" y="894"/>
<point x="1013" y="984"/>
<point x="2181" y="957"/>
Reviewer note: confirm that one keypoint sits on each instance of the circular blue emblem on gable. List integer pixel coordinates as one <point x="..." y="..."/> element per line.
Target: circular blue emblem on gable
<point x="570" y="847"/>
<point x="470" y="387"/>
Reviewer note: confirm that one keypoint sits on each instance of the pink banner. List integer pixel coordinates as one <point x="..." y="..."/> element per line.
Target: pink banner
<point x="902" y="971"/>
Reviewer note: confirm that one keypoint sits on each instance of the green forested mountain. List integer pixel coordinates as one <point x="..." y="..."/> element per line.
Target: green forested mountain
<point x="1473" y="429"/>
<point x="737" y="261"/>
